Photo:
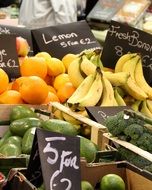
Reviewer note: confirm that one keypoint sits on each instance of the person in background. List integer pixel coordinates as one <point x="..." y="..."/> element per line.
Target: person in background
<point x="6" y="3"/>
<point x="42" y="13"/>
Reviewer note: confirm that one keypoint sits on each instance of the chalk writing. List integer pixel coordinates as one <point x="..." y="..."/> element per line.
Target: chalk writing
<point x="103" y="114"/>
<point x="4" y="62"/>
<point x="133" y="38"/>
<point x="66" y="160"/>
<point x="4" y="30"/>
<point x="58" y="38"/>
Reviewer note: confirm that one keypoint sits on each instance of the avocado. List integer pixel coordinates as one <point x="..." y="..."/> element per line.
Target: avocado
<point x="20" y="126"/>
<point x="21" y="111"/>
<point x="88" y="149"/>
<point x="27" y="140"/>
<point x="10" y="150"/>
<point x="60" y="126"/>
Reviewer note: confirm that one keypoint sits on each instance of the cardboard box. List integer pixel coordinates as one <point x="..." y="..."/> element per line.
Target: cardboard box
<point x="135" y="178"/>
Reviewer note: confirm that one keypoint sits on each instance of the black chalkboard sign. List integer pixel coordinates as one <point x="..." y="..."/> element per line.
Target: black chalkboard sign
<point x="57" y="158"/>
<point x="18" y="31"/>
<point x="62" y="39"/>
<point x="8" y="56"/>
<point x="122" y="39"/>
<point x="99" y="114"/>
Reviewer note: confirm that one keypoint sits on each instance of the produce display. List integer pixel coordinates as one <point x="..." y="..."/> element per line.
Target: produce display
<point x="78" y="81"/>
<point x="18" y="139"/>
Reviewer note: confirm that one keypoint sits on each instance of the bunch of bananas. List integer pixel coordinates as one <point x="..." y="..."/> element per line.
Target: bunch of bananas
<point x="96" y="85"/>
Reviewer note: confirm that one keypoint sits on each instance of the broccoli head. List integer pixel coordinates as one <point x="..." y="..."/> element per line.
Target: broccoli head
<point x="134" y="131"/>
<point x="116" y="124"/>
<point x="145" y="142"/>
<point x="133" y="158"/>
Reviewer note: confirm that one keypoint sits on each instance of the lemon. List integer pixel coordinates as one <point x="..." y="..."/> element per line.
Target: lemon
<point x="112" y="182"/>
<point x="55" y="67"/>
<point x="67" y="59"/>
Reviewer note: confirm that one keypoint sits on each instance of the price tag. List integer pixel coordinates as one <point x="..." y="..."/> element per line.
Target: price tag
<point x="99" y="114"/>
<point x="8" y="56"/>
<point x="18" y="31"/>
<point x="122" y="39"/>
<point x="67" y="38"/>
<point x="56" y="157"/>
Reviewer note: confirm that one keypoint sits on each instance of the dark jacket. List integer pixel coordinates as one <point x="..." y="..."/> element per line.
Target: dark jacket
<point x="5" y="3"/>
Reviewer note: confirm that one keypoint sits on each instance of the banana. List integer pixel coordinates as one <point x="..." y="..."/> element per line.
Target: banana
<point x="115" y="102"/>
<point x="116" y="79"/>
<point x="87" y="66"/>
<point x="131" y="86"/>
<point x="130" y="65"/>
<point x="70" y="119"/>
<point x="149" y="105"/>
<point x="145" y="110"/>
<point x="107" y="94"/>
<point x="122" y="60"/>
<point x="140" y="79"/>
<point x="95" y="92"/>
<point x="135" y="106"/>
<point x="58" y="114"/>
<point x="74" y="72"/>
<point x="118" y="98"/>
<point x="134" y="90"/>
<point x="82" y="90"/>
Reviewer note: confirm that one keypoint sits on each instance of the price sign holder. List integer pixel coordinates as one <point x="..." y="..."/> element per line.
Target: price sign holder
<point x="55" y="160"/>
<point x="8" y="56"/>
<point x="99" y="114"/>
<point x="122" y="39"/>
<point x="66" y="38"/>
<point x="18" y="31"/>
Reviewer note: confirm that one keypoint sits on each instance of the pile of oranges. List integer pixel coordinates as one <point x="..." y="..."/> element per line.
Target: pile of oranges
<point x="43" y="79"/>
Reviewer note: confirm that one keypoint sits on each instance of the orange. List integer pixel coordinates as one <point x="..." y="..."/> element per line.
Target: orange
<point x="112" y="182"/>
<point x="65" y="92"/>
<point x="9" y="87"/>
<point x="20" y="59"/>
<point x="11" y="97"/>
<point x="51" y="89"/>
<point x="67" y="59"/>
<point x="55" y="67"/>
<point x="49" y="80"/>
<point x="33" y="66"/>
<point x="51" y="98"/>
<point x="34" y="90"/>
<point x="4" y="80"/>
<point x="17" y="82"/>
<point x="60" y="80"/>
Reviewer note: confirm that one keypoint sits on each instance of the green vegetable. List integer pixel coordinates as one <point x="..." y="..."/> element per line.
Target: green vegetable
<point x="27" y="140"/>
<point x="138" y="115"/>
<point x="21" y="111"/>
<point x="10" y="150"/>
<point x="6" y="135"/>
<point x="116" y="124"/>
<point x="60" y="126"/>
<point x="88" y="149"/>
<point x="134" y="131"/>
<point x="86" y="185"/>
<point x="14" y="140"/>
<point x="20" y="126"/>
<point x="133" y="158"/>
<point x="145" y="142"/>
